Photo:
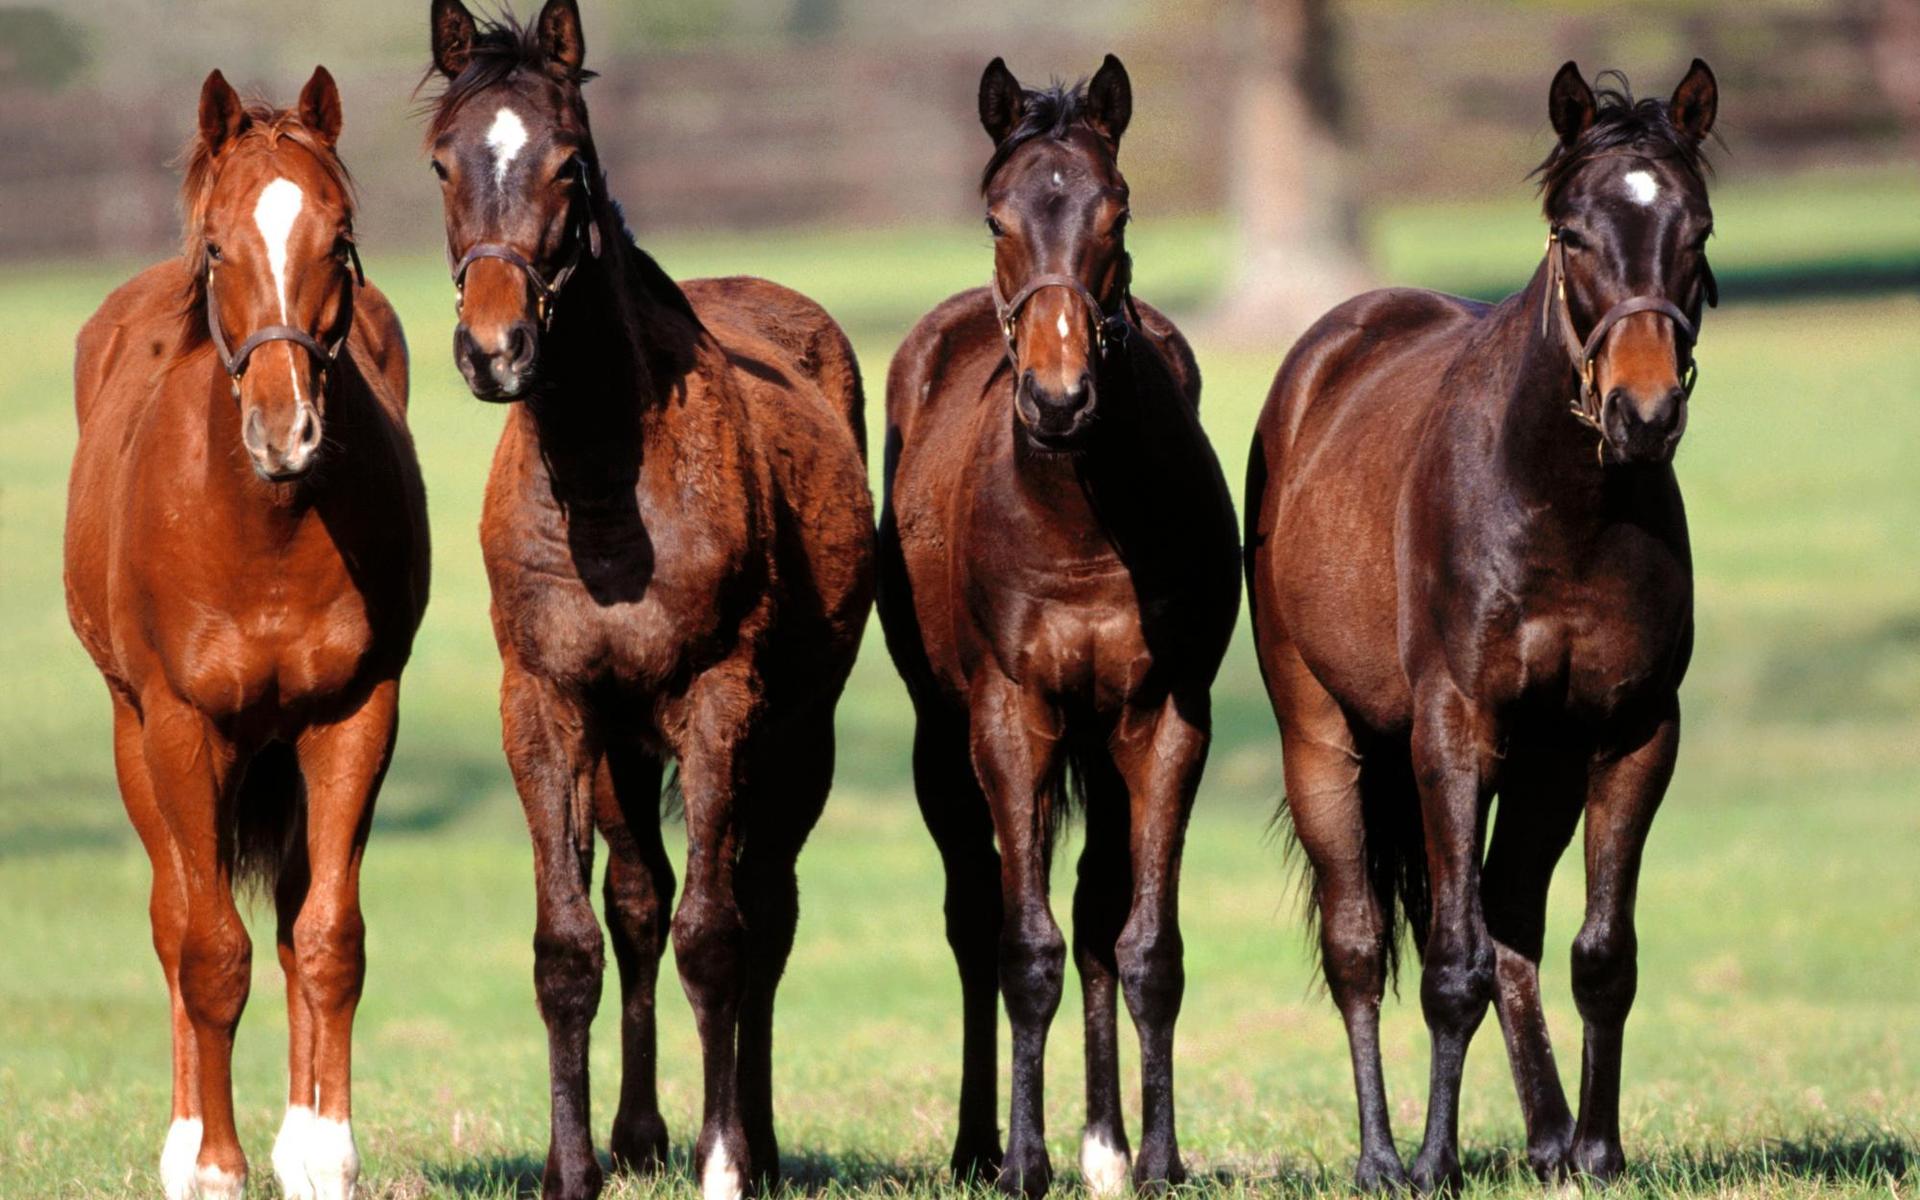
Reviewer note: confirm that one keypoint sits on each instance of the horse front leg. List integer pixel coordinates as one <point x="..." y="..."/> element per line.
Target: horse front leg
<point x="1452" y="767"/>
<point x="1161" y="754"/>
<point x="554" y="761"/>
<point x="343" y="764"/>
<point x="167" y="911"/>
<point x="1622" y="796"/>
<point x="1015" y="738"/>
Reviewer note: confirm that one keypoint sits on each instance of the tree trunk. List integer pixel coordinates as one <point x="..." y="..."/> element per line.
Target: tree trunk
<point x="1296" y="224"/>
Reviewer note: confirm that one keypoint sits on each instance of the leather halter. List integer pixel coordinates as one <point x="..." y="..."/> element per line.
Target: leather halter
<point x="235" y="360"/>
<point x="1110" y="329"/>
<point x="545" y="291"/>
<point x="1589" y="406"/>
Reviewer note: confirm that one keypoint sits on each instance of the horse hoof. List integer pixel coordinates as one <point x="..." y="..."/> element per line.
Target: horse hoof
<point x="1026" y="1173"/>
<point x="1154" y="1172"/>
<point x="1598" y="1160"/>
<point x="639" y="1144"/>
<point x="1438" y="1174"/>
<point x="1548" y="1155"/>
<point x="976" y="1162"/>
<point x="1380" y="1171"/>
<point x="571" y="1181"/>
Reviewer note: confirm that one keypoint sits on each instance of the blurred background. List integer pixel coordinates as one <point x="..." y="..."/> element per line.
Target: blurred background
<point x="1283" y="155"/>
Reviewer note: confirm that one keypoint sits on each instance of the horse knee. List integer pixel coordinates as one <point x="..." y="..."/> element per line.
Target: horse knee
<point x="1457" y="979"/>
<point x="707" y="946"/>
<point x="1152" y="972"/>
<point x="329" y="948"/>
<point x="1354" y="958"/>
<point x="1032" y="968"/>
<point x="216" y="972"/>
<point x="1605" y="971"/>
<point x="568" y="959"/>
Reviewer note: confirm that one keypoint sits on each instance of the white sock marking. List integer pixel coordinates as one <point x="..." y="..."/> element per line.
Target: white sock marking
<point x="506" y="135"/>
<point x="216" y="1184"/>
<point x="177" y="1158"/>
<point x="1642" y="186"/>
<point x="333" y="1161"/>
<point x="720" y="1180"/>
<point x="275" y="212"/>
<point x="1105" y="1168"/>
<point x="290" y="1153"/>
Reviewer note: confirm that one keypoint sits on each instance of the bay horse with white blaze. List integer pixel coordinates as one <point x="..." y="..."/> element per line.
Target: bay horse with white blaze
<point x="1058" y="582"/>
<point x="679" y="539"/>
<point x="246" y="562"/>
<point x="1456" y="594"/>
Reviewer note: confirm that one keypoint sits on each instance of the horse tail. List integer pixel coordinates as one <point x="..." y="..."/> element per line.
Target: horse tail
<point x="1396" y="852"/>
<point x="269" y="813"/>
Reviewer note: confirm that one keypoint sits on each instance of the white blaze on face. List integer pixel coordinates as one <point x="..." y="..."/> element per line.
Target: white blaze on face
<point x="506" y="135"/>
<point x="178" y="1156"/>
<point x="1103" y="1166"/>
<point x="1641" y="186"/>
<point x="274" y="214"/>
<point x="720" y="1179"/>
<point x="1061" y="325"/>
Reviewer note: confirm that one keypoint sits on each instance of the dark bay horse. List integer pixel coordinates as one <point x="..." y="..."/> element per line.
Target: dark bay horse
<point x="1469" y="576"/>
<point x="246" y="561"/>
<point x="1058" y="582"/>
<point x="679" y="538"/>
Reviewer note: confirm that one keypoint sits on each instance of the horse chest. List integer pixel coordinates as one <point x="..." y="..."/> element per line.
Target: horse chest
<point x="263" y="648"/>
<point x="1591" y="648"/>
<point x="1073" y="634"/>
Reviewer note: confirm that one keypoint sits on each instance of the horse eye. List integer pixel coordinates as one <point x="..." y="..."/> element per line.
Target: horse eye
<point x="568" y="172"/>
<point x="213" y="252"/>
<point x="341" y="247"/>
<point x="1122" y="221"/>
<point x="994" y="228"/>
<point x="440" y="169"/>
<point x="1571" y="240"/>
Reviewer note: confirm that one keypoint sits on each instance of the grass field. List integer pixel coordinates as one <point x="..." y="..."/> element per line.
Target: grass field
<point x="1775" y="1047"/>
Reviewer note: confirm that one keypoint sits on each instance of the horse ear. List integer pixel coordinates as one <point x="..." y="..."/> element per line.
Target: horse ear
<point x="1695" y="101"/>
<point x="560" y="36"/>
<point x="1110" y="99"/>
<point x="319" y="107"/>
<point x="222" y="116"/>
<point x="1002" y="100"/>
<point x="1570" y="104"/>
<point x="453" y="33"/>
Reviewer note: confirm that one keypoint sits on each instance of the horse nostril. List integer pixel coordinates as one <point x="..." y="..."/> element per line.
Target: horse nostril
<point x="253" y="431"/>
<point x="520" y="345"/>
<point x="306" y="428"/>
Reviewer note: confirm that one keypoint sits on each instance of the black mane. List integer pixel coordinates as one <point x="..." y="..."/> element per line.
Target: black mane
<point x="1619" y="121"/>
<point x="1045" y="112"/>
<point x="501" y="47"/>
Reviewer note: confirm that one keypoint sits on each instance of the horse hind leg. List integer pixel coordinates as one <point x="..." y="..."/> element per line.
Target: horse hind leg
<point x="956" y="815"/>
<point x="1538" y="808"/>
<point x="1100" y="902"/>
<point x="167" y="910"/>
<point x="639" y="896"/>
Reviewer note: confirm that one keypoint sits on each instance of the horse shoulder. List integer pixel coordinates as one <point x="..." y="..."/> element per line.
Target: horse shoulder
<point x="130" y="336"/>
<point x="1172" y="345"/>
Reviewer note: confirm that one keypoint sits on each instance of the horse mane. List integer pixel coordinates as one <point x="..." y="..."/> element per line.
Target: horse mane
<point x="1051" y="111"/>
<point x="265" y="123"/>
<point x="1619" y="121"/>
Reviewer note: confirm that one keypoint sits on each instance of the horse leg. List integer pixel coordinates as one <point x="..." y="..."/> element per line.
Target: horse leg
<point x="192" y="772"/>
<point x="1622" y="796"/>
<point x="343" y="764"/>
<point x="1538" y="809"/>
<point x="790" y="779"/>
<point x="708" y="933"/>
<point x="290" y="1146"/>
<point x="1160" y="753"/>
<point x="167" y="910"/>
<point x="957" y="816"/>
<point x="554" y="764"/>
<point x="1016" y="740"/>
<point x="1453" y="767"/>
<point x="1100" y="904"/>
<point x="639" y="894"/>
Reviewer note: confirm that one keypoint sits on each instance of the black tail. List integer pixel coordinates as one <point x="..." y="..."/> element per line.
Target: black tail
<point x="269" y="816"/>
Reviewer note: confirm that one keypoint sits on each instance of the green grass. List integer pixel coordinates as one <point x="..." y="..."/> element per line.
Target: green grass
<point x="1775" y="1047"/>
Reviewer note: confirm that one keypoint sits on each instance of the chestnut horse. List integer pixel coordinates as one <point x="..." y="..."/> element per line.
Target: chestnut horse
<point x="679" y="538"/>
<point x="1059" y="579"/>
<point x="1457" y="594"/>
<point x="246" y="561"/>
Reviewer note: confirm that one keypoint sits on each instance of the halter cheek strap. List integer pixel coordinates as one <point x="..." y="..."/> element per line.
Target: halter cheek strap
<point x="1109" y="329"/>
<point x="1589" y="406"/>
<point x="586" y="231"/>
<point x="234" y="359"/>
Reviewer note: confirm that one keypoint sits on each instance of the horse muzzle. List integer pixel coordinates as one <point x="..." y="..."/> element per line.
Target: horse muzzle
<point x="1055" y="420"/>
<point x="500" y="368"/>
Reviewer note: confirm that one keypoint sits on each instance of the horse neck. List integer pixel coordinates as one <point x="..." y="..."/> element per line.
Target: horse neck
<point x="1544" y="451"/>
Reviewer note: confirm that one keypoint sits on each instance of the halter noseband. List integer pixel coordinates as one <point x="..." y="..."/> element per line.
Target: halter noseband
<point x="235" y="360"/>
<point x="1110" y="329"/>
<point x="545" y="291"/>
<point x="1588" y="405"/>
